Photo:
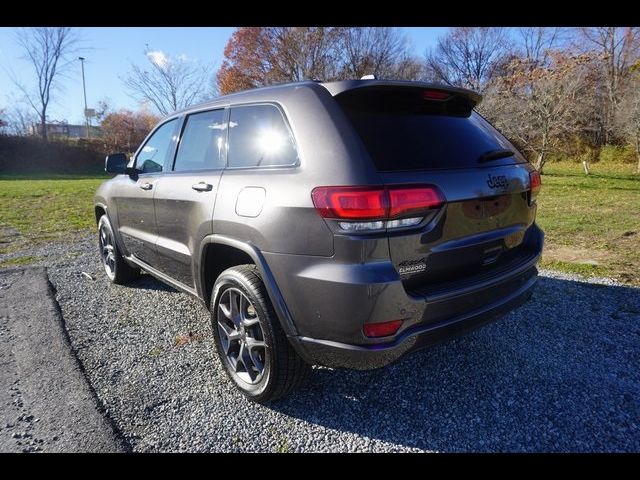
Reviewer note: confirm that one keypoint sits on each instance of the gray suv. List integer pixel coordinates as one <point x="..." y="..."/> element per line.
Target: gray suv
<point x="344" y="224"/>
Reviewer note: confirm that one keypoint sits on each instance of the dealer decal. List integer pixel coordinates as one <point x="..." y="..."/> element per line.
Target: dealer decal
<point x="410" y="267"/>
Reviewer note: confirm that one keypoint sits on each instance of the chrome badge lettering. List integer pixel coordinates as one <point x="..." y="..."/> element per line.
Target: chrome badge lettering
<point x="497" y="181"/>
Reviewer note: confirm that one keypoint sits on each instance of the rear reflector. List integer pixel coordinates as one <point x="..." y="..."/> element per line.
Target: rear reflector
<point x="361" y="226"/>
<point x="383" y="329"/>
<point x="376" y="203"/>
<point x="535" y="185"/>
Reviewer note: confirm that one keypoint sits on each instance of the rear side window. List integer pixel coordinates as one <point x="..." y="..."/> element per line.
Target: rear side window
<point x="154" y="153"/>
<point x="260" y="137"/>
<point x="407" y="132"/>
<point x="202" y="143"/>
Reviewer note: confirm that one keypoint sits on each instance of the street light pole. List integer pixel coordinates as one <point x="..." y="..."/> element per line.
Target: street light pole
<point x="84" y="89"/>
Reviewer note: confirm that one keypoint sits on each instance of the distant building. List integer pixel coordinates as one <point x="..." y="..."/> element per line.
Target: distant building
<point x="66" y="130"/>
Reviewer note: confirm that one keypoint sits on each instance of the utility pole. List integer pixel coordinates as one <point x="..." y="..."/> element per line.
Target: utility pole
<point x="84" y="89"/>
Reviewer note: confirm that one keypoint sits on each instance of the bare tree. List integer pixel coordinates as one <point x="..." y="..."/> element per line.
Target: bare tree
<point x="49" y="51"/>
<point x="20" y="120"/>
<point x="628" y="118"/>
<point x="381" y="51"/>
<point x="467" y="56"/>
<point x="3" y="121"/>
<point x="537" y="42"/>
<point x="168" y="83"/>
<point x="538" y="107"/>
<point x="619" y="48"/>
<point x="103" y="108"/>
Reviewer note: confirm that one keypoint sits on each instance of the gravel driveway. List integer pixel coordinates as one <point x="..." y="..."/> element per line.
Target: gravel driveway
<point x="559" y="374"/>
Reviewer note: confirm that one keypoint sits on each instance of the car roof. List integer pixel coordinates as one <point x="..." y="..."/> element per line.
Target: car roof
<point x="334" y="88"/>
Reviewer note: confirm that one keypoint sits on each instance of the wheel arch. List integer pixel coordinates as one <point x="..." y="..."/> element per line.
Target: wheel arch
<point x="243" y="251"/>
<point x="100" y="210"/>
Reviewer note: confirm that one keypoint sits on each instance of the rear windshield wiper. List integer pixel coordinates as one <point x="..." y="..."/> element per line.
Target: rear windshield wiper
<point x="494" y="155"/>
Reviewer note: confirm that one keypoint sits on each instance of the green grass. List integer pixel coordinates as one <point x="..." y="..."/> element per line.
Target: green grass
<point x="18" y="261"/>
<point x="591" y="223"/>
<point x="44" y="209"/>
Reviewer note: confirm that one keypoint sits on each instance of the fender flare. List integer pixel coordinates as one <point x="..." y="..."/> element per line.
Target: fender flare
<point x="277" y="300"/>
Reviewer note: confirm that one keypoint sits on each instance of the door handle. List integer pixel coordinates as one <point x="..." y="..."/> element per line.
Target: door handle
<point x="146" y="186"/>
<point x="202" y="187"/>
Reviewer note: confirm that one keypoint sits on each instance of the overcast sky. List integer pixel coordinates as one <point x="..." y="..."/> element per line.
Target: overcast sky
<point x="110" y="51"/>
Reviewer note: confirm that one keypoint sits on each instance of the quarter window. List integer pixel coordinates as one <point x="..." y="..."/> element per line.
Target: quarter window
<point x="259" y="137"/>
<point x="154" y="153"/>
<point x="202" y="143"/>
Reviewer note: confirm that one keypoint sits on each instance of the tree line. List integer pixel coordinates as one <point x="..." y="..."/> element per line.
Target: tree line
<point x="550" y="90"/>
<point x="553" y="91"/>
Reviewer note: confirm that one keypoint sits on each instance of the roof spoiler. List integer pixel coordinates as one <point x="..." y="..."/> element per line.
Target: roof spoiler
<point x="338" y="88"/>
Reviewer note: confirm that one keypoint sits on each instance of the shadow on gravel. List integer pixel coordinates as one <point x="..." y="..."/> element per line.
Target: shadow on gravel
<point x="558" y="374"/>
<point x="147" y="282"/>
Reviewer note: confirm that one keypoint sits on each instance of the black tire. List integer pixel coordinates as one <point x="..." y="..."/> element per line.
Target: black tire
<point x="283" y="369"/>
<point x="116" y="267"/>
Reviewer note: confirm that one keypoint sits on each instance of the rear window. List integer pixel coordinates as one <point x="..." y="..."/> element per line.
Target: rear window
<point x="402" y="131"/>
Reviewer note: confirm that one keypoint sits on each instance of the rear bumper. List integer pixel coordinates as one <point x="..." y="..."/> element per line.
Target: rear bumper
<point x="330" y="300"/>
<point x="365" y="357"/>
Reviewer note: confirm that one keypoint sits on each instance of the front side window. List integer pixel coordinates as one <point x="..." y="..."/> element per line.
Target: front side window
<point x="154" y="153"/>
<point x="259" y="137"/>
<point x="202" y="143"/>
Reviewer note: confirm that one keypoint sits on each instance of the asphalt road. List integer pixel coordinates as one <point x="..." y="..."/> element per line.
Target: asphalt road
<point x="46" y="403"/>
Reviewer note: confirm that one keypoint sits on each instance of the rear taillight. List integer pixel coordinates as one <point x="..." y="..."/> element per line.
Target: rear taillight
<point x="412" y="201"/>
<point x="353" y="203"/>
<point x="535" y="182"/>
<point x="373" y="208"/>
<point x="383" y="329"/>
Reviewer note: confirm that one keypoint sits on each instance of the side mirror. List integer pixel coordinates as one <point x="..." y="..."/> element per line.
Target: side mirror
<point x="116" y="163"/>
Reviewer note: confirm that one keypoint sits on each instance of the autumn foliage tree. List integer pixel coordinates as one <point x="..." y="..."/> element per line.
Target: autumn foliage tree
<point x="257" y="56"/>
<point x="539" y="106"/>
<point x="124" y="130"/>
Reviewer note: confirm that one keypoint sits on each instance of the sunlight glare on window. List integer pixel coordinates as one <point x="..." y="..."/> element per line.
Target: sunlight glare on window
<point x="270" y="141"/>
<point x="219" y="145"/>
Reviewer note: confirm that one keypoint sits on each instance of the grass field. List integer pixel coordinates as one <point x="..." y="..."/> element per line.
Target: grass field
<point x="34" y="210"/>
<point x="592" y="224"/>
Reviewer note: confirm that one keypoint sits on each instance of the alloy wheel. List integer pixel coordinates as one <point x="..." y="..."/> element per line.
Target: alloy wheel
<point x="241" y="336"/>
<point x="108" y="251"/>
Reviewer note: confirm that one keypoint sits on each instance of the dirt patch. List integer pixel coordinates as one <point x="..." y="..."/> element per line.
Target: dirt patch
<point x="579" y="255"/>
